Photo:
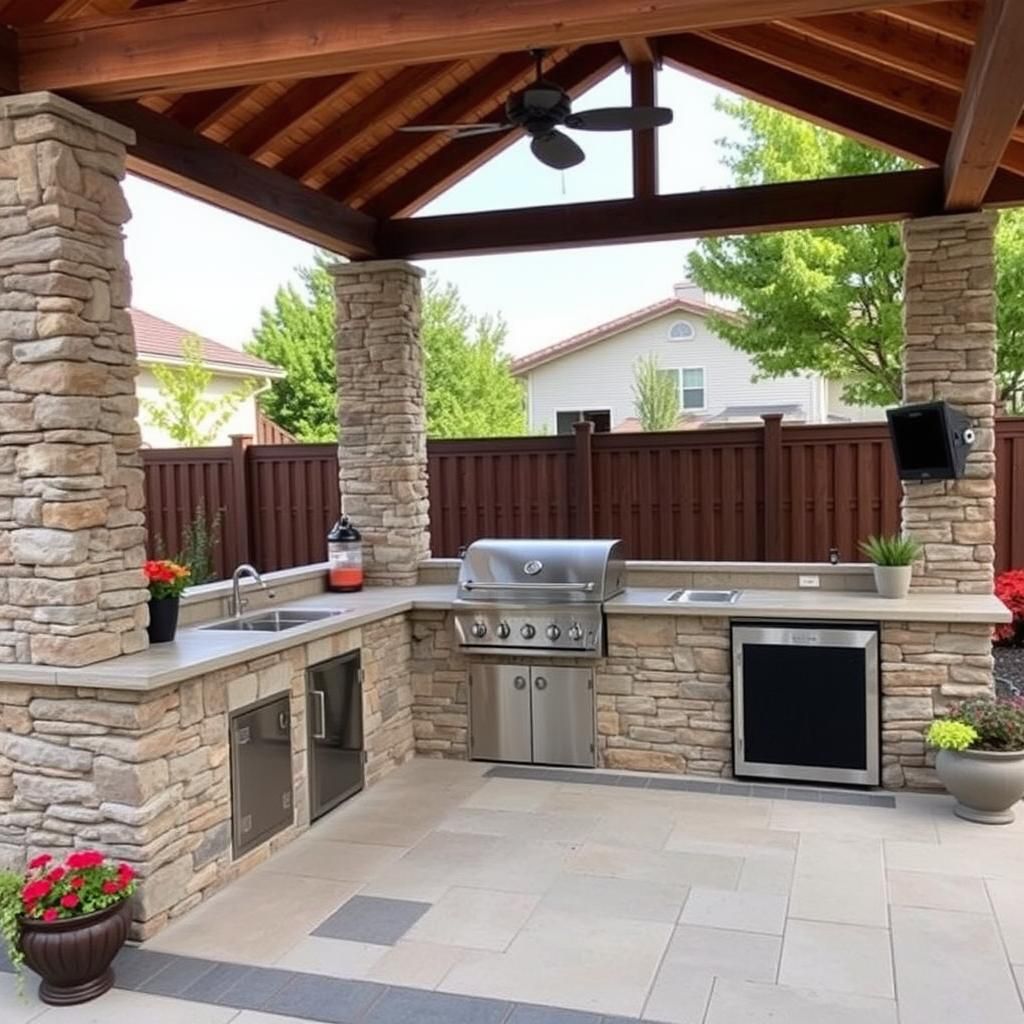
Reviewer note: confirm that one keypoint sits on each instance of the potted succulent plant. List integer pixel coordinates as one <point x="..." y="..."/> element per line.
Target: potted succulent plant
<point x="67" y="921"/>
<point x="167" y="580"/>
<point x="981" y="757"/>
<point x="894" y="558"/>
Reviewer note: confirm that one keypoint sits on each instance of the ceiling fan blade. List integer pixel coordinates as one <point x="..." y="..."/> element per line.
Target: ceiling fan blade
<point x="484" y="129"/>
<point x="557" y="151"/>
<point x="492" y="126"/>
<point x="619" y="119"/>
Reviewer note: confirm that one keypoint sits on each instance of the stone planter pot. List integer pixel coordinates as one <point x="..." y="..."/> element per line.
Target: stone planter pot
<point x="986" y="783"/>
<point x="893" y="580"/>
<point x="163" y="619"/>
<point x="73" y="956"/>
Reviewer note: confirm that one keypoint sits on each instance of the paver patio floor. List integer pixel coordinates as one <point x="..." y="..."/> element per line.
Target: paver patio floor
<point x="445" y="894"/>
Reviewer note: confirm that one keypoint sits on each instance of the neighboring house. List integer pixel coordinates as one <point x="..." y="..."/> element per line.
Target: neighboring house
<point x="591" y="375"/>
<point x="159" y="341"/>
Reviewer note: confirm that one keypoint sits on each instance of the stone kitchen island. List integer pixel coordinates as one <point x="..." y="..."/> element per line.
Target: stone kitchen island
<point x="132" y="755"/>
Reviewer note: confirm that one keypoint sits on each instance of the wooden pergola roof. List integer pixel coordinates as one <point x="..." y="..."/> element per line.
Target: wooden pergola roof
<point x="288" y="111"/>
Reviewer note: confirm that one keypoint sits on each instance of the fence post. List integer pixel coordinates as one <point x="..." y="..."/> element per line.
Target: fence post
<point x="584" y="431"/>
<point x="772" y="496"/>
<point x="239" y="513"/>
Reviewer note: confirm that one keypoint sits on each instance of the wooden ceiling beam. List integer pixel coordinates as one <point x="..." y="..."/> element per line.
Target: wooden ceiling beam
<point x="18" y="13"/>
<point x="172" y="155"/>
<point x="958" y="20"/>
<point x="494" y="79"/>
<point x="990" y="107"/>
<point x="759" y="208"/>
<point x="209" y="44"/>
<point x="8" y="60"/>
<point x="304" y="99"/>
<point x="639" y="50"/>
<point x="200" y="110"/>
<point x="577" y="73"/>
<point x="382" y="102"/>
<point x="897" y="44"/>
<point x="643" y="90"/>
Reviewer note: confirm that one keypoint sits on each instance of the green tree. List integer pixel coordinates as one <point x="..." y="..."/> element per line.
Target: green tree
<point x="829" y="301"/>
<point x="469" y="389"/>
<point x="655" y="394"/>
<point x="183" y="411"/>
<point x="1010" y="309"/>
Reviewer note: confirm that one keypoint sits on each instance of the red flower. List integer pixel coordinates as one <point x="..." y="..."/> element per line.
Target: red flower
<point x="110" y="887"/>
<point x="36" y="890"/>
<point x="84" y="859"/>
<point x="39" y="862"/>
<point x="126" y="873"/>
<point x="56" y="875"/>
<point x="51" y="914"/>
<point x="70" y="901"/>
<point x="77" y="882"/>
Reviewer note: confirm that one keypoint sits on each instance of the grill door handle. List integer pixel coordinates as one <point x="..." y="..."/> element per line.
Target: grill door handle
<point x="320" y="731"/>
<point x="519" y="682"/>
<point x="585" y="588"/>
<point x="541" y="683"/>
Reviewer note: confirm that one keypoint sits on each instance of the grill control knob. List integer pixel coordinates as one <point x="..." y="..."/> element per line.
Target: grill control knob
<point x="478" y="629"/>
<point x="575" y="632"/>
<point x="552" y="632"/>
<point x="527" y="632"/>
<point x="503" y="630"/>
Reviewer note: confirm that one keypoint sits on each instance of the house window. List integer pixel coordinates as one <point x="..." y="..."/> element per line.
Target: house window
<point x="601" y="418"/>
<point x="692" y="389"/>
<point x="681" y="330"/>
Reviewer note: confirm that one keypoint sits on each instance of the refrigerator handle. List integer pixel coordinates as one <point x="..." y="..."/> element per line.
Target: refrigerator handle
<point x="541" y="683"/>
<point x="320" y="731"/>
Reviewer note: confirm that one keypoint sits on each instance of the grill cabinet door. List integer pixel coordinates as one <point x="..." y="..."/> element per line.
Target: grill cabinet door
<point x="499" y="709"/>
<point x="563" y="716"/>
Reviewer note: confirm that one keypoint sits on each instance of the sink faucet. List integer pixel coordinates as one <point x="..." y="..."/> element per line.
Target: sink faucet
<point x="238" y="602"/>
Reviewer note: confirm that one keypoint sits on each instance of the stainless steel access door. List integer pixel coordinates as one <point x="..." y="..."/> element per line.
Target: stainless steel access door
<point x="499" y="705"/>
<point x="563" y="716"/>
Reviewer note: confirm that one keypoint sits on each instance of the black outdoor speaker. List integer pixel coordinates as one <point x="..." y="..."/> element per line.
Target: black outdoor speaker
<point x="931" y="441"/>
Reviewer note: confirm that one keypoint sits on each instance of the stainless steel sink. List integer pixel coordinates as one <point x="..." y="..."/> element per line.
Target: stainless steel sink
<point x="704" y="596"/>
<point x="276" y="621"/>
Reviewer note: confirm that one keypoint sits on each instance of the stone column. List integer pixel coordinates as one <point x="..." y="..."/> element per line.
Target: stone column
<point x="382" y="453"/>
<point x="71" y="481"/>
<point x="950" y="353"/>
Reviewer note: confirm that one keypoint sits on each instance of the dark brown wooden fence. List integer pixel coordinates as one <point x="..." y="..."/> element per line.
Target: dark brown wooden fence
<point x="765" y="493"/>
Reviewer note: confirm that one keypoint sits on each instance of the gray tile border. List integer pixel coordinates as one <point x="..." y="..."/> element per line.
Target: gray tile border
<point x="254" y="988"/>
<point x="762" y="792"/>
<point x="423" y="1006"/>
<point x="212" y="986"/>
<point x="134" y="967"/>
<point x="524" y="1014"/>
<point x="333" y="1000"/>
<point x="805" y="795"/>
<point x="373" y="919"/>
<point x="176" y="976"/>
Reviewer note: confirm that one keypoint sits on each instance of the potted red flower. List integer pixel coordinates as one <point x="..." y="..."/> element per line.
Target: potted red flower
<point x="167" y="580"/>
<point x="67" y="921"/>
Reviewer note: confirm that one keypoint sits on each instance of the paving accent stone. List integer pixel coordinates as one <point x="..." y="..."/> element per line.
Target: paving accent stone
<point x="382" y="454"/>
<point x="61" y="240"/>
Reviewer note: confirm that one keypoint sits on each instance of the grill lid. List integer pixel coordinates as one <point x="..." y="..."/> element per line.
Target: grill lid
<point x="533" y="571"/>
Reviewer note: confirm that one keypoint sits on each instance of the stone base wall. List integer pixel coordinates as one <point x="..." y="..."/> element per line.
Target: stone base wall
<point x="146" y="777"/>
<point x="440" y="682"/>
<point x="926" y="666"/>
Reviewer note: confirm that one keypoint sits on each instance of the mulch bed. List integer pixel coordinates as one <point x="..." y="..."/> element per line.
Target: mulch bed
<point x="1009" y="671"/>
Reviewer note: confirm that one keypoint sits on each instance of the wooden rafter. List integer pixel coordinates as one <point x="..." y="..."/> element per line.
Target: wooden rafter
<point x="580" y="71"/>
<point x="381" y="103"/>
<point x="639" y="50"/>
<point x="207" y="44"/>
<point x="804" y="204"/>
<point x="8" y="60"/>
<point x="643" y="89"/>
<point x="494" y="79"/>
<point x="990" y="108"/>
<point x="201" y="110"/>
<point x="174" y="156"/>
<point x="303" y="100"/>
<point x="30" y="12"/>
<point x="957" y="20"/>
<point x="896" y="44"/>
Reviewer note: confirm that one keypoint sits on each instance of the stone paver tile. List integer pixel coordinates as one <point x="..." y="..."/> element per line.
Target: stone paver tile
<point x="937" y="892"/>
<point x="512" y="795"/>
<point x="474" y="919"/>
<point x="418" y="964"/>
<point x="254" y="988"/>
<point x="679" y="995"/>
<point x="1018" y="973"/>
<point x="844" y="821"/>
<point x="331" y="860"/>
<point x="711" y="871"/>
<point x="840" y="880"/>
<point x="337" y="958"/>
<point x="837" y="958"/>
<point x="746" y="1002"/>
<point x="15" y="1009"/>
<point x="120" y="1007"/>
<point x="134" y="966"/>
<point x="647" y="830"/>
<point x="1008" y="901"/>
<point x="982" y="858"/>
<point x="551" y="1015"/>
<point x="211" y="987"/>
<point x="332" y="1000"/>
<point x="743" y="911"/>
<point x="259" y="1017"/>
<point x="372" y="919"/>
<point x="177" y="976"/>
<point x="767" y="871"/>
<point x="723" y="953"/>
<point x="411" y="1006"/>
<point x="406" y="880"/>
<point x="517" y="865"/>
<point x="951" y="968"/>
<point x="371" y="829"/>
<point x="521" y="824"/>
<point x="631" y="898"/>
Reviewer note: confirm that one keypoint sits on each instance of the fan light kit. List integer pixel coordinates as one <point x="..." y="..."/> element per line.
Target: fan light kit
<point x="544" y="107"/>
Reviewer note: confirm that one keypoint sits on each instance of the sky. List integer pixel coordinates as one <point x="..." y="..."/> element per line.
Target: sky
<point x="211" y="271"/>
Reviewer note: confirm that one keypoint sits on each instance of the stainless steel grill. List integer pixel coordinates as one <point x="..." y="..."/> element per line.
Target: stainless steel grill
<point x="536" y="596"/>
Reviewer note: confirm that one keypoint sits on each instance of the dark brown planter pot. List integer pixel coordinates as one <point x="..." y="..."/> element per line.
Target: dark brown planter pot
<point x="73" y="956"/>
<point x="163" y="619"/>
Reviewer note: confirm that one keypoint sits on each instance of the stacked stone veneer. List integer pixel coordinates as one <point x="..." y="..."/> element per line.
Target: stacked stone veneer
<point x="382" y="413"/>
<point x="950" y="353"/>
<point x="145" y="777"/>
<point x="71" y="481"/>
<point x="440" y="683"/>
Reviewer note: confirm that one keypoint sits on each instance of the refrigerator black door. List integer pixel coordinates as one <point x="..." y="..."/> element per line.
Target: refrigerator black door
<point x="335" y="716"/>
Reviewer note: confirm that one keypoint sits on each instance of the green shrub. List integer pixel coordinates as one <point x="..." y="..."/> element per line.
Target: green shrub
<point x="947" y="735"/>
<point x="892" y="550"/>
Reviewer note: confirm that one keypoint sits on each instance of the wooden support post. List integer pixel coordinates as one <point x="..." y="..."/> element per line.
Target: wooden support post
<point x="239" y="510"/>
<point x="772" y="494"/>
<point x="584" y="520"/>
<point x="644" y="93"/>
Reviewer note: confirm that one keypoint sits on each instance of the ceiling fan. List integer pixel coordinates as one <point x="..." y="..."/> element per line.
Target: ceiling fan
<point x="544" y="107"/>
